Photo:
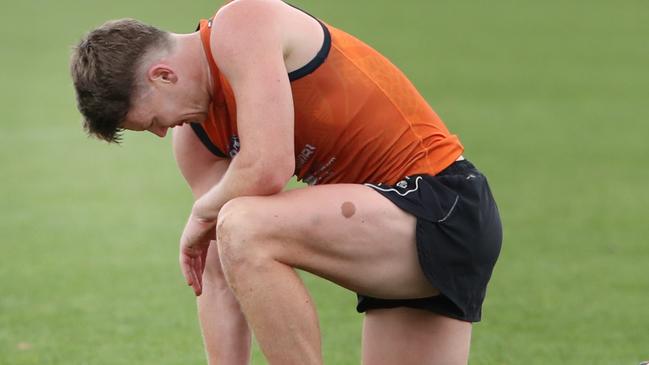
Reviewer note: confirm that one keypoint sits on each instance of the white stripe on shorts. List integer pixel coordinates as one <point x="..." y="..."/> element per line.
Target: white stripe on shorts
<point x="395" y="190"/>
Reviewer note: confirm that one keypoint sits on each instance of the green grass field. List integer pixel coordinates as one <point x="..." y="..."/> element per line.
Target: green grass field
<point x="549" y="98"/>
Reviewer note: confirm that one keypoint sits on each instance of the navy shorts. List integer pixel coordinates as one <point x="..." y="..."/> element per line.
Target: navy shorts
<point x="459" y="235"/>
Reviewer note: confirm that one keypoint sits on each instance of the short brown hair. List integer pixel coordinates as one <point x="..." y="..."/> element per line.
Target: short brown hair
<point x="103" y="68"/>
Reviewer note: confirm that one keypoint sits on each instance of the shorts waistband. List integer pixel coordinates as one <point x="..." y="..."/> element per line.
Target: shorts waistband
<point x="460" y="165"/>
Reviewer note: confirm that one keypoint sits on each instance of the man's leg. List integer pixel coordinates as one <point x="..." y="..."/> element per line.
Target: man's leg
<point x="346" y="233"/>
<point x="408" y="336"/>
<point x="225" y="331"/>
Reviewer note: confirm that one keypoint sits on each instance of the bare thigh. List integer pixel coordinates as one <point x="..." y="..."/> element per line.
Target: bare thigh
<point x="408" y="336"/>
<point x="346" y="233"/>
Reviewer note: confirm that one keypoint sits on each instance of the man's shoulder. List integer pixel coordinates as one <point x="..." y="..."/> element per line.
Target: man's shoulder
<point x="244" y="25"/>
<point x="246" y="30"/>
<point x="256" y="15"/>
<point x="249" y="10"/>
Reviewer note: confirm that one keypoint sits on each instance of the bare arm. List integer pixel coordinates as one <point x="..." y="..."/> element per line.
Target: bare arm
<point x="202" y="171"/>
<point x="248" y="45"/>
<point x="200" y="168"/>
<point x="224" y="328"/>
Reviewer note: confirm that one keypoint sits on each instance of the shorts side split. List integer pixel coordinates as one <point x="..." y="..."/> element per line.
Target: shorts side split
<point x="459" y="236"/>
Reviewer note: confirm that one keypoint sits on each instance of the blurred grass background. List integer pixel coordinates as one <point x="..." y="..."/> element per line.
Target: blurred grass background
<point x="549" y="98"/>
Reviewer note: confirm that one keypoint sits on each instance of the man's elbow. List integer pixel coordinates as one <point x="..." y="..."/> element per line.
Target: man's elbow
<point x="265" y="176"/>
<point x="274" y="185"/>
<point x="272" y="178"/>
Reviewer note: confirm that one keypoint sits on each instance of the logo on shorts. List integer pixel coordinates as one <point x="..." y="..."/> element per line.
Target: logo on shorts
<point x="402" y="184"/>
<point x="235" y="145"/>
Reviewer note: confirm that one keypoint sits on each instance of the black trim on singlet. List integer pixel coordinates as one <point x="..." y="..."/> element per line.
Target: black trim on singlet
<point x="319" y="58"/>
<point x="200" y="132"/>
<point x="202" y="135"/>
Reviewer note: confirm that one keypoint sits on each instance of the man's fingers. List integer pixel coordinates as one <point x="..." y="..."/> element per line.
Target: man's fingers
<point x="186" y="268"/>
<point x="196" y="284"/>
<point x="193" y="254"/>
<point x="201" y="268"/>
<point x="192" y="268"/>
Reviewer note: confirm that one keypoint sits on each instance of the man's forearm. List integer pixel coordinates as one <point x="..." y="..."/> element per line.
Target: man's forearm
<point x="241" y="179"/>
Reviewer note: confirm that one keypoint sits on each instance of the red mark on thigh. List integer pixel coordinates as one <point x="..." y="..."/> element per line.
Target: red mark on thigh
<point x="348" y="209"/>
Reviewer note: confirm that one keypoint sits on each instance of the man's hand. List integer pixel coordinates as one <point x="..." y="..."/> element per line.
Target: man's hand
<point x="193" y="250"/>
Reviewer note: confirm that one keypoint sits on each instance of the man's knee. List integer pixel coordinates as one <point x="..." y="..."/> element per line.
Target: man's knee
<point x="241" y="219"/>
<point x="242" y="236"/>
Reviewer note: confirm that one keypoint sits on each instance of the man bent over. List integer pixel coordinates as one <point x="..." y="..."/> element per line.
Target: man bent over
<point x="263" y="91"/>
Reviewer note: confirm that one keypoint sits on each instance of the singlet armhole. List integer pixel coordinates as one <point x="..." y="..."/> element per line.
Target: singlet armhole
<point x="196" y="127"/>
<point x="205" y="140"/>
<point x="319" y="58"/>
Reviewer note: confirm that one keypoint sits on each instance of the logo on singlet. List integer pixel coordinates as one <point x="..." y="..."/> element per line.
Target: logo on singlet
<point x="320" y="173"/>
<point x="304" y="156"/>
<point x="235" y="145"/>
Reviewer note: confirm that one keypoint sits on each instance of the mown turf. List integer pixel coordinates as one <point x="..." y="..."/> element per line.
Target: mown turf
<point x="549" y="98"/>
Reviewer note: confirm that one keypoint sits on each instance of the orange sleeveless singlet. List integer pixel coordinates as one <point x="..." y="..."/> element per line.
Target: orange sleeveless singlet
<point x="358" y="119"/>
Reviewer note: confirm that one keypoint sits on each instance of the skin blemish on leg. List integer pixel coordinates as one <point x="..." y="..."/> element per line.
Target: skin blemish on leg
<point x="348" y="209"/>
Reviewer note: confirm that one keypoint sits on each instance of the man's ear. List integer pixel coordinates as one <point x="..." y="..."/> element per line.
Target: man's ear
<point x="162" y="73"/>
